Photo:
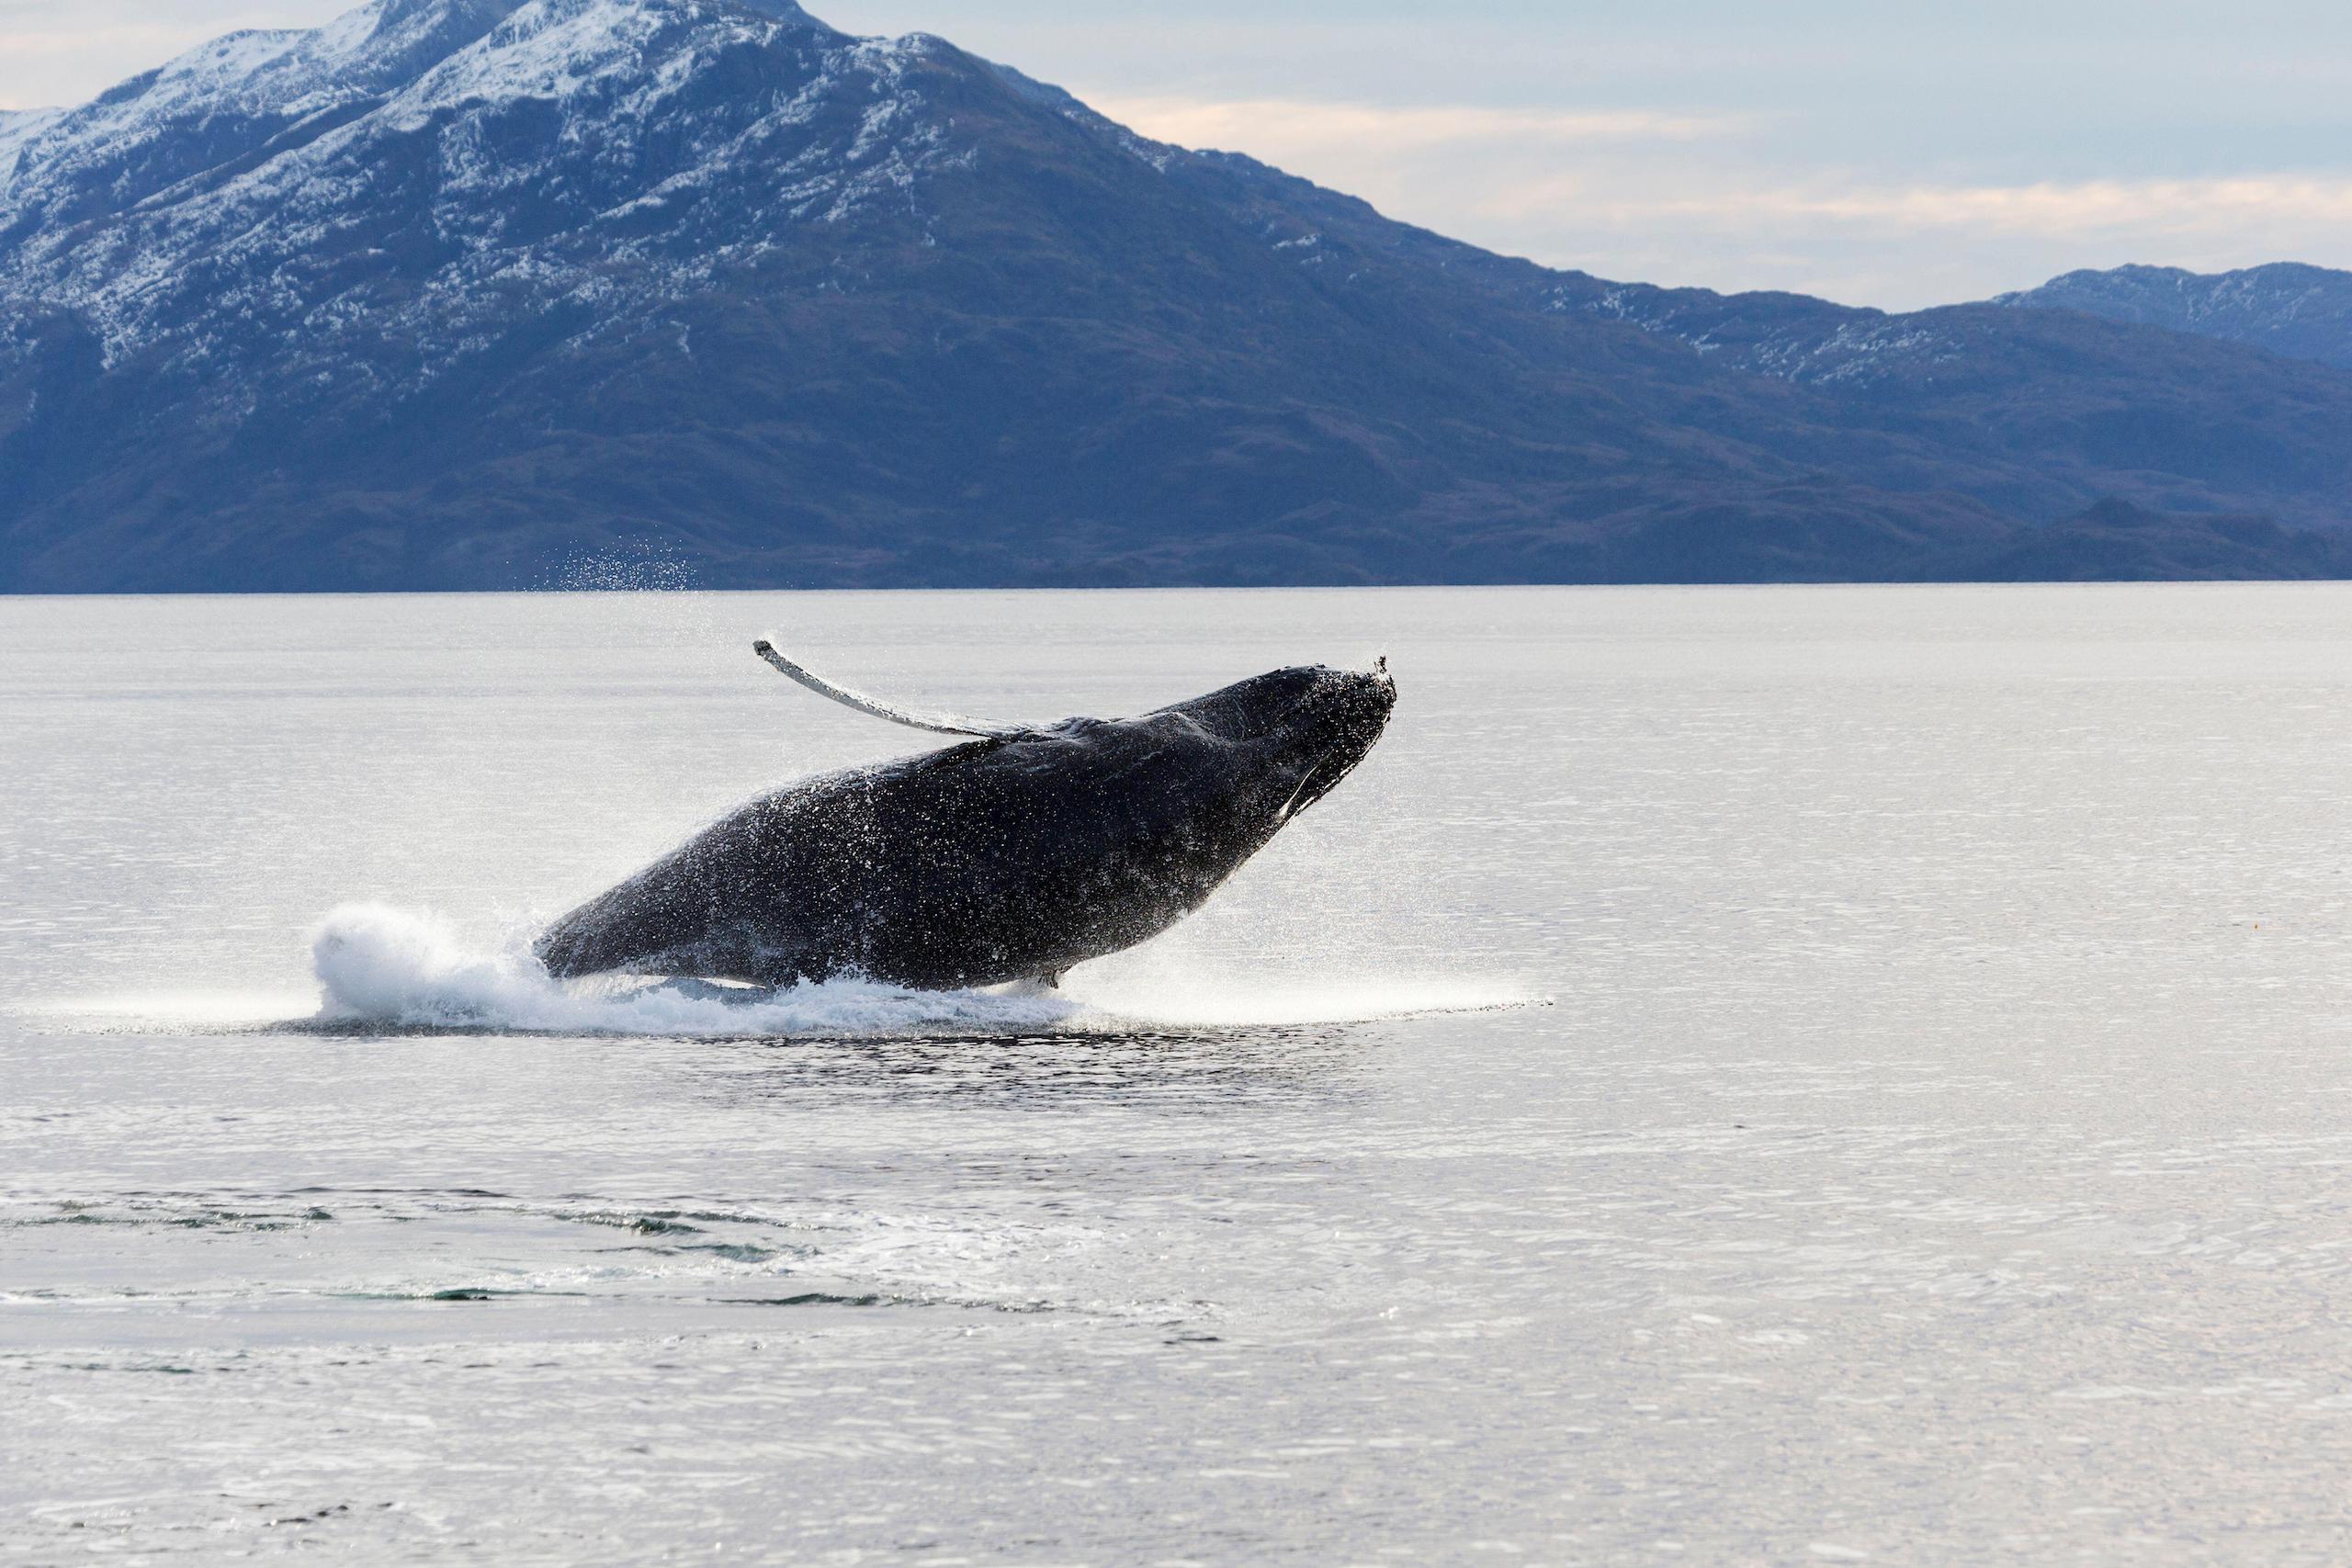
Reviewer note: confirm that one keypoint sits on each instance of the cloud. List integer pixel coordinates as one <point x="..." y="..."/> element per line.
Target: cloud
<point x="41" y="68"/>
<point x="1619" y="168"/>
<point x="1753" y="201"/>
<point x="1273" y="128"/>
<point x="2052" y="209"/>
<point x="1893" y="244"/>
<point x="58" y="53"/>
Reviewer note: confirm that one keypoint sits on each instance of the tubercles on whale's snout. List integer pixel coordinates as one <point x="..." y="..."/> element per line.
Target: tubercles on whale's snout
<point x="1332" y="726"/>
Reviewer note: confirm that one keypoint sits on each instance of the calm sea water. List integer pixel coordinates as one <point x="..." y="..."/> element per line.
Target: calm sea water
<point x="1758" y="1076"/>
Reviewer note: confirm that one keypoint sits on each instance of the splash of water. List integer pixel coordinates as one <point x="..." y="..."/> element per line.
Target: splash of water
<point x="384" y="965"/>
<point x="381" y="964"/>
<point x="398" y="969"/>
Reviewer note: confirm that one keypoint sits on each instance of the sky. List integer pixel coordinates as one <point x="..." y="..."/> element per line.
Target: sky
<point x="1897" y="152"/>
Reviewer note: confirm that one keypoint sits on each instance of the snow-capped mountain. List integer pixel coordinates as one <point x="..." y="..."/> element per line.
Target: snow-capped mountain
<point x="429" y="172"/>
<point x="450" y="292"/>
<point x="229" y="98"/>
<point x="2303" y="311"/>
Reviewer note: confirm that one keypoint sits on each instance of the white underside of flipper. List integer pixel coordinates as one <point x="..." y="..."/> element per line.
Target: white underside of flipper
<point x="937" y="723"/>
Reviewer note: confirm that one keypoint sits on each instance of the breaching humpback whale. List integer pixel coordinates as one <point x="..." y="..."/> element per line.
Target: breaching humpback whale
<point x="1013" y="856"/>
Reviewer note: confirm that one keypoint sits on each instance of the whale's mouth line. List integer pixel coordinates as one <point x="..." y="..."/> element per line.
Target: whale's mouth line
<point x="1358" y="732"/>
<point x="1319" y="781"/>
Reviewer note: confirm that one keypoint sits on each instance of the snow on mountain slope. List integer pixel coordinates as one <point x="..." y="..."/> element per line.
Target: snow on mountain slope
<point x="18" y="126"/>
<point x="227" y="97"/>
<point x="2303" y="311"/>
<point x="1789" y="337"/>
<point x="572" y="151"/>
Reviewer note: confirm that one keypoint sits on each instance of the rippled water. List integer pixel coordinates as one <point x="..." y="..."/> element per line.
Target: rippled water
<point x="1756" y="1075"/>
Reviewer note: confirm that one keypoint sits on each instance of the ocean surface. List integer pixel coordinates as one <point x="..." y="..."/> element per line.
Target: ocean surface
<point x="1740" y="1076"/>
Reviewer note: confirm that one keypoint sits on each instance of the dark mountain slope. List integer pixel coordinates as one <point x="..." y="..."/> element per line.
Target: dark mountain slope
<point x="2056" y="405"/>
<point x="716" y="280"/>
<point x="2116" y="540"/>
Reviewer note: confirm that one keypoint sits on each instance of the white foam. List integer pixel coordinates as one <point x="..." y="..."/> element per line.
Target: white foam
<point x="384" y="965"/>
<point x="401" y="969"/>
<point x="391" y="966"/>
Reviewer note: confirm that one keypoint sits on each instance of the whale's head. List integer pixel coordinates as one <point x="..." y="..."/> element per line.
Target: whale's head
<point x="1289" y="735"/>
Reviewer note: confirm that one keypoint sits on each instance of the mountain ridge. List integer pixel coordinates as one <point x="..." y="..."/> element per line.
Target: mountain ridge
<point x="799" y="309"/>
<point x="2288" y="308"/>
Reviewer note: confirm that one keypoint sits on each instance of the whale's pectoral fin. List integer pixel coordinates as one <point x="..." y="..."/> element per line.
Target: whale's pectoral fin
<point x="938" y="724"/>
<point x="1036" y="984"/>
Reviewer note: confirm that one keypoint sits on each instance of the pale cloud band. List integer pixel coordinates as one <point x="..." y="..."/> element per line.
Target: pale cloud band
<point x="1292" y="124"/>
<point x="57" y="53"/>
<point x="1691" y="197"/>
<point x="2089" y="208"/>
<point x="1292" y="132"/>
<point x="33" y="46"/>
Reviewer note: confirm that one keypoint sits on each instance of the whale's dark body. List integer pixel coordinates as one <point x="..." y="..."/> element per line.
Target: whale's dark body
<point x="1011" y="857"/>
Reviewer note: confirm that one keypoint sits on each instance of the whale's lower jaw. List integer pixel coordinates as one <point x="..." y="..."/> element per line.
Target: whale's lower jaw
<point x="935" y="950"/>
<point x="724" y="959"/>
<point x="699" y="964"/>
<point x="735" y="962"/>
